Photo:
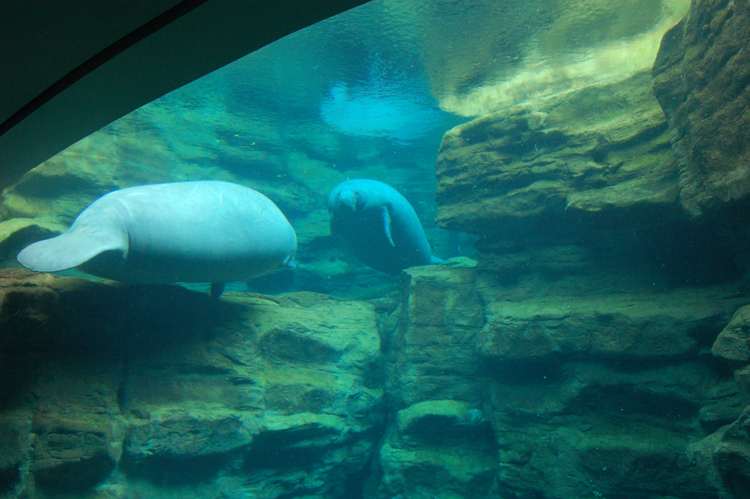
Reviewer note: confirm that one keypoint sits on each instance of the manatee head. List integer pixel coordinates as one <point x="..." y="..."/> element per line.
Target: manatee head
<point x="347" y="197"/>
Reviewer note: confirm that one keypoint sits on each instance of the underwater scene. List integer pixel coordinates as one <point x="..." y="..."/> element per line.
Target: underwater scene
<point x="424" y="249"/>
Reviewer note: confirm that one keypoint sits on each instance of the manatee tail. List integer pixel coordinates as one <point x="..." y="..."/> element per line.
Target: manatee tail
<point x="71" y="249"/>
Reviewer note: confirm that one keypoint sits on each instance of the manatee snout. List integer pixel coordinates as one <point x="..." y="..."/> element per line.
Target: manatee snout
<point x="348" y="198"/>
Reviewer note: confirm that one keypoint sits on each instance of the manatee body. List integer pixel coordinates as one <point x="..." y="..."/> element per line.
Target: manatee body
<point x="205" y="231"/>
<point x="378" y="226"/>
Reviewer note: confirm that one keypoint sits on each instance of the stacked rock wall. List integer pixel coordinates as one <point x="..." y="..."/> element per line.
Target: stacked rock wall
<point x="564" y="396"/>
<point x="702" y="78"/>
<point x="144" y="391"/>
<point x="455" y="387"/>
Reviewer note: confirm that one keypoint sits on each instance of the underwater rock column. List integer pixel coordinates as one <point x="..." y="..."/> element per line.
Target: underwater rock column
<point x="60" y="423"/>
<point x="702" y="81"/>
<point x="437" y="442"/>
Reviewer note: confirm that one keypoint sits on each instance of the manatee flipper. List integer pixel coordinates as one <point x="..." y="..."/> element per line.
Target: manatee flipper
<point x="435" y="260"/>
<point x="217" y="288"/>
<point x="289" y="263"/>
<point x="73" y="248"/>
<point x="387" y="225"/>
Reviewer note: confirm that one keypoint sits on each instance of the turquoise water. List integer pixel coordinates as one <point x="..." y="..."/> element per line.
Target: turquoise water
<point x="367" y="94"/>
<point x="297" y="117"/>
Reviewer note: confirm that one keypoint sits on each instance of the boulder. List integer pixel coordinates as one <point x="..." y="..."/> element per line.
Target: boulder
<point x="622" y="327"/>
<point x="733" y="343"/>
<point x="598" y="153"/>
<point x="131" y="389"/>
<point x="432" y="347"/>
<point x="701" y="79"/>
<point x="438" y="448"/>
<point x="732" y="456"/>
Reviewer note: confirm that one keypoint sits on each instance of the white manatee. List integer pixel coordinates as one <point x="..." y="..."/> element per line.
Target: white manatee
<point x="205" y="231"/>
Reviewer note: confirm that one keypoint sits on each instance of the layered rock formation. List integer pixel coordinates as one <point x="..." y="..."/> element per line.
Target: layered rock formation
<point x="594" y="209"/>
<point x="625" y="160"/>
<point x="701" y="78"/>
<point x="134" y="392"/>
<point x="604" y="148"/>
<point x="112" y="391"/>
<point x="583" y="183"/>
<point x="560" y="396"/>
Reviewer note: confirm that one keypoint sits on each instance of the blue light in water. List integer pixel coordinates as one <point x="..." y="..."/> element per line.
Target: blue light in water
<point x="379" y="110"/>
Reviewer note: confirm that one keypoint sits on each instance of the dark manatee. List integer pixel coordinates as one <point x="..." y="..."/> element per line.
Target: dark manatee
<point x="378" y="226"/>
<point x="205" y="231"/>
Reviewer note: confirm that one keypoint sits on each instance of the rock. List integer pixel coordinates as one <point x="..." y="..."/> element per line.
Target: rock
<point x="700" y="454"/>
<point x="17" y="233"/>
<point x="732" y="456"/>
<point x="742" y="377"/>
<point x="626" y="327"/>
<point x="589" y="428"/>
<point x="319" y="447"/>
<point x="515" y="52"/>
<point x="701" y="81"/>
<point x="724" y="406"/>
<point x="581" y="183"/>
<point x="72" y="454"/>
<point x="433" y="346"/>
<point x="624" y="459"/>
<point x="176" y="445"/>
<point x="592" y="391"/>
<point x="565" y="395"/>
<point x="440" y="444"/>
<point x="74" y="433"/>
<point x="290" y="390"/>
<point x="11" y="453"/>
<point x="600" y="150"/>
<point x="572" y="413"/>
<point x="70" y="397"/>
<point x="577" y="414"/>
<point x="61" y="187"/>
<point x="436" y="419"/>
<point x="438" y="448"/>
<point x="732" y="347"/>
<point x="733" y="343"/>
<point x="171" y="388"/>
<point x="555" y="261"/>
<point x="47" y="311"/>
